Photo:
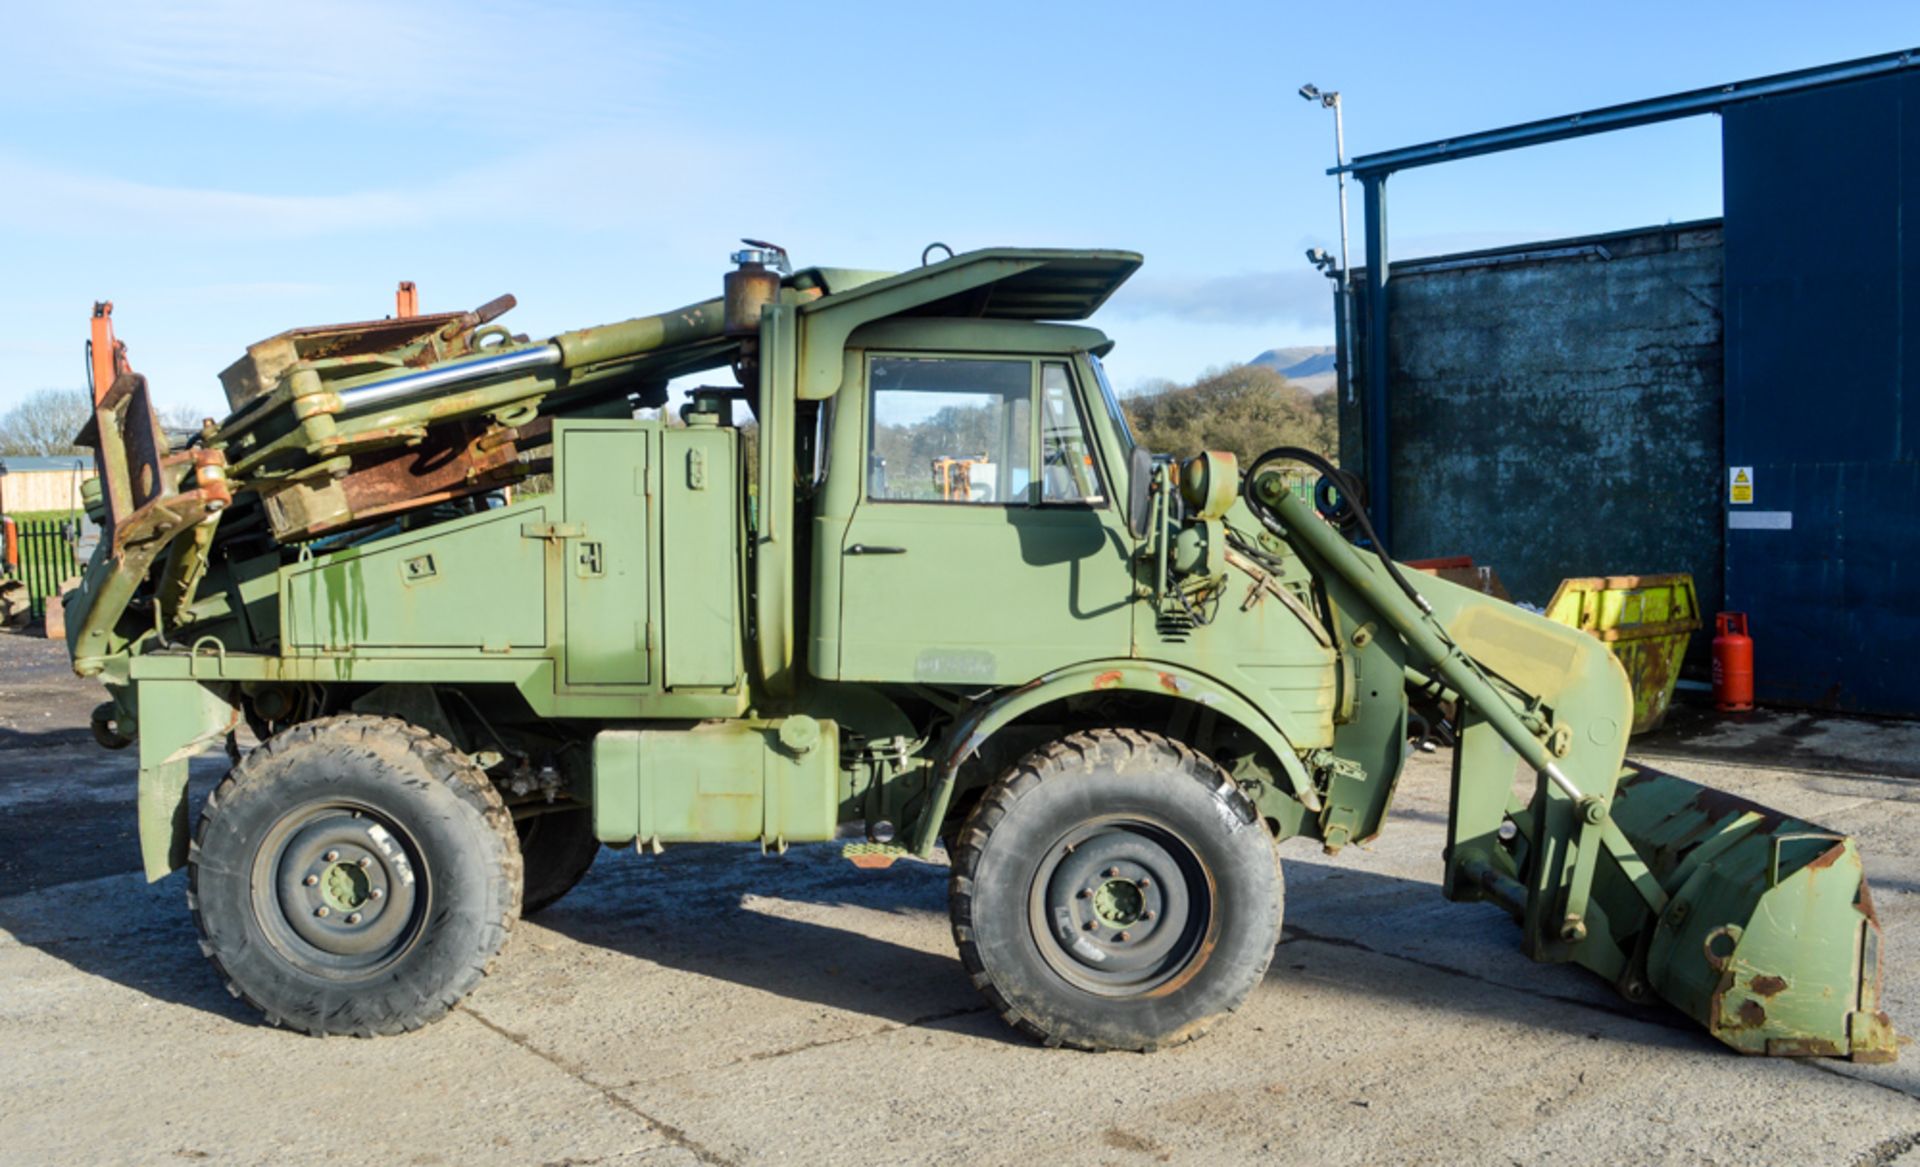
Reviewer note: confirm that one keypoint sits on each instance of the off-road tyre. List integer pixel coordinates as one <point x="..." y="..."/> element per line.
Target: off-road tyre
<point x="1159" y="829"/>
<point x="555" y="851"/>
<point x="320" y="816"/>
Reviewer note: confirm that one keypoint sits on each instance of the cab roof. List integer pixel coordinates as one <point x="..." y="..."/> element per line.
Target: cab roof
<point x="999" y="283"/>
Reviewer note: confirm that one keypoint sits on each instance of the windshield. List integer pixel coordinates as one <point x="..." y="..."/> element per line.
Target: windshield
<point x="1113" y="407"/>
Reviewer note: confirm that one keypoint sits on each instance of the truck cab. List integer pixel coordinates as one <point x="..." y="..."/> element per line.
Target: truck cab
<point x="1028" y="568"/>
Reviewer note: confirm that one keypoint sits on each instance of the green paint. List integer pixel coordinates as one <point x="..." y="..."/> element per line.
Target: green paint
<point x="176" y="719"/>
<point x="722" y="782"/>
<point x="1118" y="903"/>
<point x="345" y="887"/>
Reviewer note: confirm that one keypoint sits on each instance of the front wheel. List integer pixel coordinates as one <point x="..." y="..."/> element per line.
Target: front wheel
<point x="1115" y="890"/>
<point x="354" y="875"/>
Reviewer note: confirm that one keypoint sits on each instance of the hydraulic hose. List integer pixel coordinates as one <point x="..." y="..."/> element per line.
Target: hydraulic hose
<point x="1351" y="498"/>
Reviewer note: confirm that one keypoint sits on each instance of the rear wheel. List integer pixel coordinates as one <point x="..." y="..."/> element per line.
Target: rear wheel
<point x="1115" y="891"/>
<point x="556" y="849"/>
<point x="354" y="875"/>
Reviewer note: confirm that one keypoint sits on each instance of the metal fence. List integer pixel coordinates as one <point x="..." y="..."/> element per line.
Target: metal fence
<point x="46" y="558"/>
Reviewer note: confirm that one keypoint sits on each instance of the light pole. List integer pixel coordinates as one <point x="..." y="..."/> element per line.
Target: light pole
<point x="1331" y="101"/>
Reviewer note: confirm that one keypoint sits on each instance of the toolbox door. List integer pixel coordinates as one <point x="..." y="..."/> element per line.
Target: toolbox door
<point x="605" y="475"/>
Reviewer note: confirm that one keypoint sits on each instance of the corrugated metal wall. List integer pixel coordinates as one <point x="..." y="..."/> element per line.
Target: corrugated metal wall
<point x="1821" y="281"/>
<point x="1555" y="410"/>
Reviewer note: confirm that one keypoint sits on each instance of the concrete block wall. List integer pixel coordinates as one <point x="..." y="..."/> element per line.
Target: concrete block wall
<point x="1556" y="409"/>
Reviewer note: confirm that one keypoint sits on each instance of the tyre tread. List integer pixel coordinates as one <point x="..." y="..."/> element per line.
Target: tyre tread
<point x="448" y="766"/>
<point x="1082" y="751"/>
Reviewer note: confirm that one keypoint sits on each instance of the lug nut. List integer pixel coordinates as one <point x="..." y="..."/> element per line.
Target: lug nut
<point x="322" y="912"/>
<point x="1145" y="882"/>
<point x="333" y="857"/>
<point x="353" y="918"/>
<point x="1124" y="936"/>
<point x="1112" y="872"/>
<point x="365" y="863"/>
<point x="1085" y="892"/>
<point x="377" y="893"/>
<point x="1089" y="925"/>
<point x="311" y="880"/>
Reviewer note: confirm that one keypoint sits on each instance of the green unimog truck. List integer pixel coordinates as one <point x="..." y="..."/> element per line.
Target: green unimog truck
<point x="904" y="573"/>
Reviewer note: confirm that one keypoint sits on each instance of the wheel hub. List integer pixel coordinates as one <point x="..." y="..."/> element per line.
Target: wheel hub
<point x="1123" y="905"/>
<point x="1118" y="903"/>
<point x="340" y="890"/>
<point x="345" y="886"/>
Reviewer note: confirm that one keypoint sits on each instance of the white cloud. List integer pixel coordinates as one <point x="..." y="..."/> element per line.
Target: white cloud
<point x="1302" y="297"/>
<point x="45" y="199"/>
<point x="633" y="179"/>
<point x="488" y="59"/>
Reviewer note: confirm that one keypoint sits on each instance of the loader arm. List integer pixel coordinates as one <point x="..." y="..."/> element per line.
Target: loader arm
<point x="1756" y="924"/>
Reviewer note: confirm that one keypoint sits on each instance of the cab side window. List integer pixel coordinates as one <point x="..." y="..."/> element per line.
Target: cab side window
<point x="950" y="430"/>
<point x="1068" y="471"/>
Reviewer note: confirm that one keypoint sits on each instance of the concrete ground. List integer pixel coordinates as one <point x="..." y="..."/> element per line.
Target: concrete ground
<point x="713" y="1007"/>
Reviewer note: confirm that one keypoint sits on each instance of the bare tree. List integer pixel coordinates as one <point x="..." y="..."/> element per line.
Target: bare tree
<point x="180" y="423"/>
<point x="45" y="422"/>
<point x="182" y="417"/>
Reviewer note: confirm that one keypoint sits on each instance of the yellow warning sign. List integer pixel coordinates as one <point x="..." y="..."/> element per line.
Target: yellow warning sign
<point x="1740" y="484"/>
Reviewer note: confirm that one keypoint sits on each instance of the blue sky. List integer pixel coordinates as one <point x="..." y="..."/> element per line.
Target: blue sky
<point x="223" y="170"/>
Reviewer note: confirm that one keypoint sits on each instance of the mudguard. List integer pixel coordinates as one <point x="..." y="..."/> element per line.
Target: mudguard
<point x="966" y="738"/>
<point x="177" y="719"/>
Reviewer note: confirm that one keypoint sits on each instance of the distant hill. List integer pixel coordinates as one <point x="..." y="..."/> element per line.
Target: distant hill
<point x="1309" y="366"/>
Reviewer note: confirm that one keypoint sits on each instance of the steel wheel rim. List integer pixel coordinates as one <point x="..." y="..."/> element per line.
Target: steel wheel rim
<point x="1123" y="907"/>
<point x="340" y="889"/>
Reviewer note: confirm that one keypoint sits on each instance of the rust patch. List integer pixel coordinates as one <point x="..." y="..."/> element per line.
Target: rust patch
<point x="364" y="337"/>
<point x="1767" y="986"/>
<point x="1718" y="805"/>
<point x="1802" y="1047"/>
<point x="452" y="462"/>
<point x="1107" y="680"/>
<point x="1863" y="900"/>
<point x="1828" y="858"/>
<point x="1752" y="1014"/>
<point x="1171" y="683"/>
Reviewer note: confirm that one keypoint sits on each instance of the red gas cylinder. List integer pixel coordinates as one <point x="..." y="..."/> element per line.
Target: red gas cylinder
<point x="1732" y="663"/>
<point x="9" y="545"/>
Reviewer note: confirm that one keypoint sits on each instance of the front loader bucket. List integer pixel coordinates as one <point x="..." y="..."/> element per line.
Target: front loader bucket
<point x="1769" y="938"/>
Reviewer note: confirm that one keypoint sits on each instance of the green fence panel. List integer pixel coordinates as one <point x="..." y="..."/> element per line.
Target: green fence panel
<point x="46" y="558"/>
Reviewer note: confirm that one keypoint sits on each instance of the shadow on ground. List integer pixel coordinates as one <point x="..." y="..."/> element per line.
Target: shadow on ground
<point x="137" y="935"/>
<point x="1802" y="740"/>
<point x="696" y="916"/>
<point x="702" y="910"/>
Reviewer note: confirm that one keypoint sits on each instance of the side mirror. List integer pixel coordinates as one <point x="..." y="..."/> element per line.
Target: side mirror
<point x="1139" y="491"/>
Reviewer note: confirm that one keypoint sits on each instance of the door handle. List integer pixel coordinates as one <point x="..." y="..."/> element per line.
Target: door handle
<point x="873" y="549"/>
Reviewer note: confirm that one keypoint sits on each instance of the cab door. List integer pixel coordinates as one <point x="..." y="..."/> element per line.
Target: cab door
<point x="985" y="547"/>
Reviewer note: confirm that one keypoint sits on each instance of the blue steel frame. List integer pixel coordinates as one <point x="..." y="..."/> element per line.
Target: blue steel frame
<point x="1373" y="170"/>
